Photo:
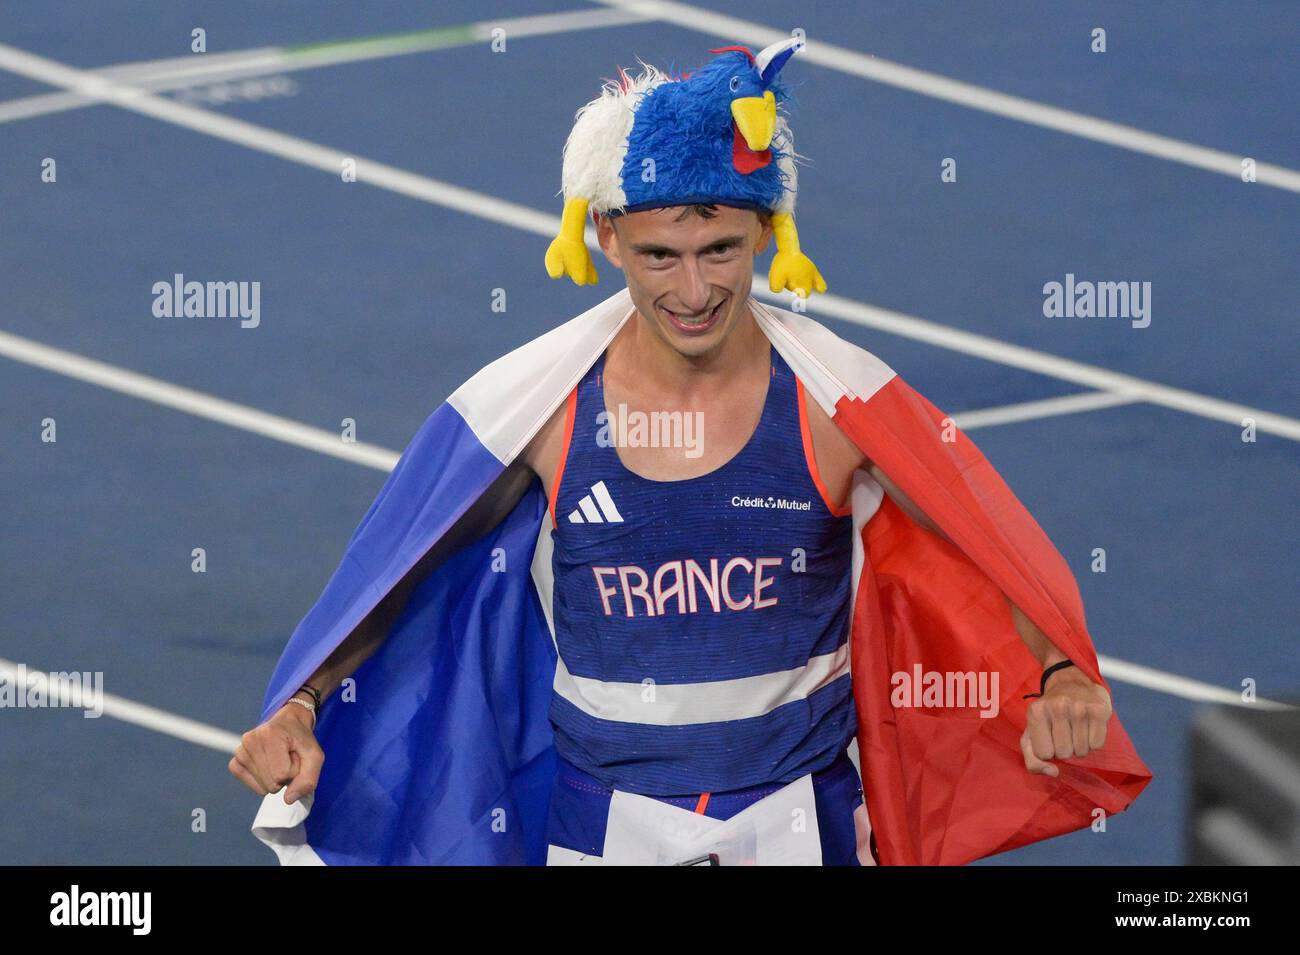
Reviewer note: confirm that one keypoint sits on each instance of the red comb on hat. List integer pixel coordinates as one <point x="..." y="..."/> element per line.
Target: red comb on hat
<point x="744" y="50"/>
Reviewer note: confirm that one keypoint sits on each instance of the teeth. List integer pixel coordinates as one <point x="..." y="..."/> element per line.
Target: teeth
<point x="692" y="320"/>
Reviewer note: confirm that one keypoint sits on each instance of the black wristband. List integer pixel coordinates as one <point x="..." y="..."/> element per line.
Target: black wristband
<point x="1042" y="684"/>
<point x="315" y="693"/>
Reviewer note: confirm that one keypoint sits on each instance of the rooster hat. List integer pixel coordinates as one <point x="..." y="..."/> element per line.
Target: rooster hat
<point x="712" y="136"/>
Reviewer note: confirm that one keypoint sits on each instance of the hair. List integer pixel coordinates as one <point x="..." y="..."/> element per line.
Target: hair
<point x="707" y="210"/>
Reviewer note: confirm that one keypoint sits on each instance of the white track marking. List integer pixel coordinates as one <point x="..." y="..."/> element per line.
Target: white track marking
<point x="1042" y="363"/>
<point x="1045" y="408"/>
<point x="521" y="217"/>
<point x="180" y="72"/>
<point x="194" y="402"/>
<point x="301" y="435"/>
<point x="247" y="418"/>
<point x="295" y="433"/>
<point x="853" y="63"/>
<point x="128" y="711"/>
<point x="276" y="144"/>
<point x="380" y="47"/>
<point x="1135" y="674"/>
<point x="185" y="71"/>
<point x="223" y="741"/>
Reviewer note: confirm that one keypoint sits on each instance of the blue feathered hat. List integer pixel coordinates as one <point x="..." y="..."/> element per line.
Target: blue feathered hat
<point x="711" y="136"/>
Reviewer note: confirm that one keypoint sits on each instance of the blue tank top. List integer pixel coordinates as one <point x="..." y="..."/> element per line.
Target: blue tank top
<point x="702" y="625"/>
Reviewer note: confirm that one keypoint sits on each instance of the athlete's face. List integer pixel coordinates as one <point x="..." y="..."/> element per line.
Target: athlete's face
<point x="689" y="276"/>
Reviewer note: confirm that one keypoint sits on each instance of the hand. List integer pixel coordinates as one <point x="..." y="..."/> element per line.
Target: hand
<point x="1067" y="721"/>
<point x="281" y="750"/>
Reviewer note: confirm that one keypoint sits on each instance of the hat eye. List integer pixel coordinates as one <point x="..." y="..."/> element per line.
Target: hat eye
<point x="735" y="83"/>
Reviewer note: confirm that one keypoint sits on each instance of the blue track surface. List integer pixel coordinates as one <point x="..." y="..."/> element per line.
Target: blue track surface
<point x="376" y="305"/>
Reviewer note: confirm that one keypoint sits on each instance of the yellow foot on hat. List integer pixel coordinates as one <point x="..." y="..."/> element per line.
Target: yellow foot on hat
<point x="791" y="269"/>
<point x="568" y="253"/>
<point x="796" y="272"/>
<point x="571" y="258"/>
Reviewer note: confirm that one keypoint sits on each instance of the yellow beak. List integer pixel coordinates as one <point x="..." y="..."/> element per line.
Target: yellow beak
<point x="755" y="117"/>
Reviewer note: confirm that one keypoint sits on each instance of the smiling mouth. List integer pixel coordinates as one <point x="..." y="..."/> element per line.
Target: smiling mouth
<point x="695" y="323"/>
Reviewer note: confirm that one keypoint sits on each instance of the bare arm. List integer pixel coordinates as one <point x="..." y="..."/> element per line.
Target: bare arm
<point x="1070" y="718"/>
<point x="1044" y="651"/>
<point x="904" y="502"/>
<point x="284" y="750"/>
<point x="482" y="517"/>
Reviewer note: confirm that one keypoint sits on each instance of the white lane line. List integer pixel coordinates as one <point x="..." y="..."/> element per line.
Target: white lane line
<point x="288" y="431"/>
<point x="246" y="418"/>
<point x="301" y="435"/>
<point x="196" y="68"/>
<point x="180" y="72"/>
<point x="853" y="63"/>
<point x="194" y="402"/>
<point x="217" y="409"/>
<point x="521" y="217"/>
<point x="22" y="678"/>
<point x="292" y="148"/>
<point x="1042" y="363"/>
<point x="1135" y="674"/>
<point x="1044" y="408"/>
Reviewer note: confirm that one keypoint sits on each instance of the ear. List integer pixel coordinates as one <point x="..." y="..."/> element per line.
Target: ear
<point x="608" y="238"/>
<point x="764" y="236"/>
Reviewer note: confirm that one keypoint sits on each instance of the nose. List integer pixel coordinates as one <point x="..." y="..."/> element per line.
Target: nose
<point x="694" y="290"/>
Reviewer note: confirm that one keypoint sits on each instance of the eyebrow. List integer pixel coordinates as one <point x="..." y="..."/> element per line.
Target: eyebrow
<point x="728" y="241"/>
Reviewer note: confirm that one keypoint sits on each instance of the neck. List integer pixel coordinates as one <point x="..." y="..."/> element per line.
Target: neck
<point x="661" y="369"/>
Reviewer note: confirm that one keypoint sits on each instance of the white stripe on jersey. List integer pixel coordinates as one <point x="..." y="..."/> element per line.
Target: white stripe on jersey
<point x="682" y="704"/>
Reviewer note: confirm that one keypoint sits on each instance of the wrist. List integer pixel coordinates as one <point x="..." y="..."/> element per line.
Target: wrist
<point x="1070" y="674"/>
<point x="302" y="708"/>
<point x="1050" y="672"/>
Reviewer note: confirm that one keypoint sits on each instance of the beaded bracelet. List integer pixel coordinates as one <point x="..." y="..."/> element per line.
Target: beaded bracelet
<point x="309" y="706"/>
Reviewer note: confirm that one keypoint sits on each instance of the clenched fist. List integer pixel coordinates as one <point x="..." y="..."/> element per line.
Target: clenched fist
<point x="282" y="750"/>
<point x="1067" y="721"/>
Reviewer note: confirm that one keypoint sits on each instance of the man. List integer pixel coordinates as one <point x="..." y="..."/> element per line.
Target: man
<point x="692" y="264"/>
<point x="677" y="691"/>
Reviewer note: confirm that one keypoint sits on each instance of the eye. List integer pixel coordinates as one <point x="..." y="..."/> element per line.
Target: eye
<point x="735" y="83"/>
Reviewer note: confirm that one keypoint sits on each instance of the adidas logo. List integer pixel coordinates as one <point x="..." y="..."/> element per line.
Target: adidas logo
<point x="596" y="508"/>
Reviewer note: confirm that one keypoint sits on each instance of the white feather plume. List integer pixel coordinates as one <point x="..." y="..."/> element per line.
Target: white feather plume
<point x="597" y="145"/>
<point x="784" y="141"/>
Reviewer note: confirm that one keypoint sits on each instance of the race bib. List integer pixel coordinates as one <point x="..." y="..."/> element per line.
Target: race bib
<point x="780" y="829"/>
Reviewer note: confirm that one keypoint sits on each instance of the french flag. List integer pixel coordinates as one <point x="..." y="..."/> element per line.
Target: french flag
<point x="442" y="751"/>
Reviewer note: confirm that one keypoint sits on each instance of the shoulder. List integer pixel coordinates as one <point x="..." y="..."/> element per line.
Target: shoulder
<point x="829" y="366"/>
<point x="830" y="369"/>
<point x="834" y="450"/>
<point x="542" y="454"/>
<point x="508" y="402"/>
